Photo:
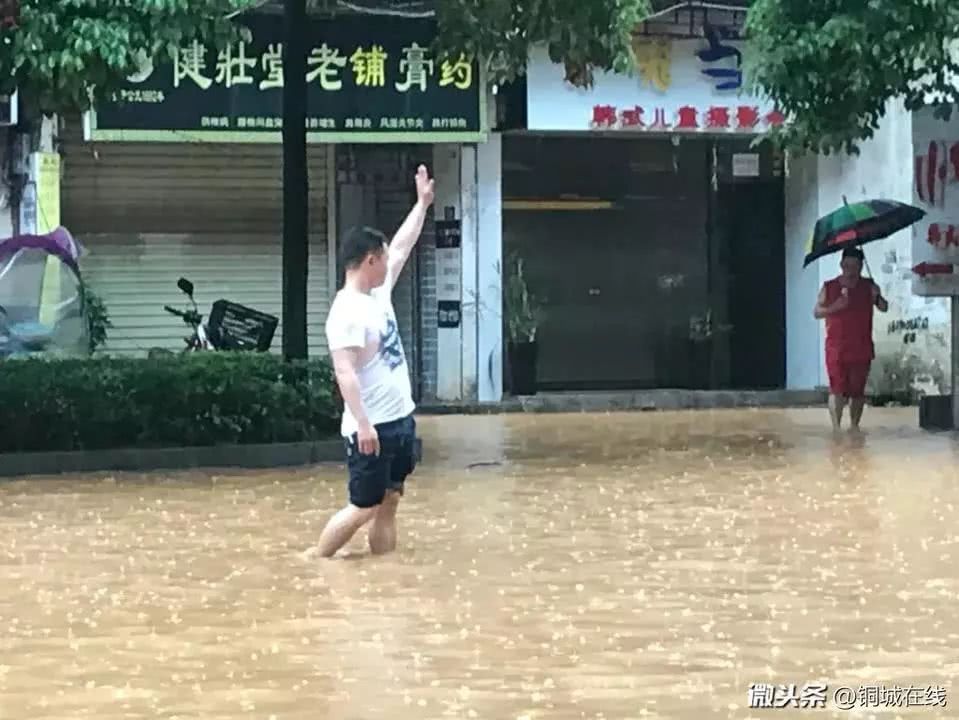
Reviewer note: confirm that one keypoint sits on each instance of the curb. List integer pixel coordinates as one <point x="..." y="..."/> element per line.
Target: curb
<point x="641" y="401"/>
<point x="247" y="457"/>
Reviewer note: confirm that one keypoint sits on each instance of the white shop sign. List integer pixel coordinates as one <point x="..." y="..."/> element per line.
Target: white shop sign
<point x="449" y="270"/>
<point x="685" y="86"/>
<point x="746" y="165"/>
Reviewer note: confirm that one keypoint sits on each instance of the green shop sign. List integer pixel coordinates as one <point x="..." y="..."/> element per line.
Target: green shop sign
<point x="369" y="79"/>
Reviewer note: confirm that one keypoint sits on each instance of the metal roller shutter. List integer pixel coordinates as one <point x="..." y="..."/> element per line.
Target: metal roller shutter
<point x="149" y="213"/>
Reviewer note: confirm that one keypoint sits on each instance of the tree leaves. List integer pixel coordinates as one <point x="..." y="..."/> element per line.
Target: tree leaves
<point x="584" y="35"/>
<point x="832" y="65"/>
<point x="62" y="55"/>
<point x="65" y="55"/>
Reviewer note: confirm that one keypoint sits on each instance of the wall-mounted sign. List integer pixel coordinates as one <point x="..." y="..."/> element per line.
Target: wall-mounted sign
<point x="449" y="262"/>
<point x="448" y="234"/>
<point x="935" y="239"/>
<point x="685" y="86"/>
<point x="369" y="79"/>
<point x="449" y="314"/>
<point x="746" y="165"/>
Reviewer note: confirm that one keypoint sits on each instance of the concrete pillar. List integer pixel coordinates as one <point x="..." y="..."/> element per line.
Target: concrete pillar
<point x="803" y="338"/>
<point x="448" y="207"/>
<point x="38" y="164"/>
<point x="490" y="270"/>
<point x="469" y="356"/>
<point x="470" y="255"/>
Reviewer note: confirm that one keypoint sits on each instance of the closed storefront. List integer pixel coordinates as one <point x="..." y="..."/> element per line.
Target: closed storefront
<point x="180" y="174"/>
<point x="603" y="225"/>
<point x="649" y="222"/>
<point x="150" y="213"/>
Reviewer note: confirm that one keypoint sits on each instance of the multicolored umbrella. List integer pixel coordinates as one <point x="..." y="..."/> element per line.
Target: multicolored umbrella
<point x="858" y="223"/>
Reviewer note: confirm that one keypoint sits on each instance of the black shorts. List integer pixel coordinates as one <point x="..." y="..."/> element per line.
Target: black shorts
<point x="372" y="475"/>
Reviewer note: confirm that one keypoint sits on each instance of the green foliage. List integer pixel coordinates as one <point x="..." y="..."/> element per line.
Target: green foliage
<point x="64" y="53"/>
<point x="98" y="319"/>
<point x="832" y="65"/>
<point x="524" y="311"/>
<point x="188" y="400"/>
<point x="584" y="35"/>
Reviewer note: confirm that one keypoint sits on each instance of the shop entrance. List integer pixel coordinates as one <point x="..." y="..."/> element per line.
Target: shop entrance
<point x="633" y="242"/>
<point x="754" y="241"/>
<point x="613" y="232"/>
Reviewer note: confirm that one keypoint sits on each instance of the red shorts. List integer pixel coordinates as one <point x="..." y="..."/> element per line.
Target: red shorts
<point x="848" y="379"/>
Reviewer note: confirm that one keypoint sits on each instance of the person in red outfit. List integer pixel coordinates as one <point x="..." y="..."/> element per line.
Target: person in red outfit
<point x="846" y="303"/>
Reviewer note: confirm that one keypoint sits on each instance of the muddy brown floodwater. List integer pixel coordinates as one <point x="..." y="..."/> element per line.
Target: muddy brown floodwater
<point x="579" y="566"/>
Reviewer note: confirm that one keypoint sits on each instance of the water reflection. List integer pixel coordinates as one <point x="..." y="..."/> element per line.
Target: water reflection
<point x="585" y="566"/>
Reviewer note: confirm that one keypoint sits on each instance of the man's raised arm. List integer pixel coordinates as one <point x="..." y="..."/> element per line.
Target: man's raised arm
<point x="409" y="232"/>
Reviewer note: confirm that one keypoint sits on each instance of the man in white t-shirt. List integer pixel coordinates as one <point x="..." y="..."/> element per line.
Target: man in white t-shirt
<point x="378" y="426"/>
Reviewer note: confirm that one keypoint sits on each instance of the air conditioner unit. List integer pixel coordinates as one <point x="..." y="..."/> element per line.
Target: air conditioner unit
<point x="9" y="107"/>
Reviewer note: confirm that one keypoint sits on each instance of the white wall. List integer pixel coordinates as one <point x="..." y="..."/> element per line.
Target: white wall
<point x="469" y="183"/>
<point x="489" y="319"/>
<point x="803" y="339"/>
<point x="928" y="322"/>
<point x="814" y="187"/>
<point x="469" y="358"/>
<point x="449" y="341"/>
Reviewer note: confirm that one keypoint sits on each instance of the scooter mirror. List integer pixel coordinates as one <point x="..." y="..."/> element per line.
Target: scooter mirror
<point x="186" y="286"/>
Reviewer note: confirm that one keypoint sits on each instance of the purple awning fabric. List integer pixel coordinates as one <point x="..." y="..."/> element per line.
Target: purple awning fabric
<point x="59" y="242"/>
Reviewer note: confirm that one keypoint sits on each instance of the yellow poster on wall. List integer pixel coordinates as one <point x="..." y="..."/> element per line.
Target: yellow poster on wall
<point x="46" y="173"/>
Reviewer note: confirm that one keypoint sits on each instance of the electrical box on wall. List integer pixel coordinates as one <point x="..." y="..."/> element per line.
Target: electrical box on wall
<point x="9" y="107"/>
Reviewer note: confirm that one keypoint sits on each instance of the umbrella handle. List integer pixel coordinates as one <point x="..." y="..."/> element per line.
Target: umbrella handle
<point x="866" y="263"/>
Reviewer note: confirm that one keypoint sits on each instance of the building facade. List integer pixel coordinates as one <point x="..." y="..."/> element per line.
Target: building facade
<point x="665" y="235"/>
<point x="912" y="340"/>
<point x="181" y="176"/>
<point x="650" y="216"/>
<point x="668" y="238"/>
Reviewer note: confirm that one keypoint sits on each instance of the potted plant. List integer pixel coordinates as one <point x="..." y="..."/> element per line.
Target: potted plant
<point x="98" y="319"/>
<point x="523" y="313"/>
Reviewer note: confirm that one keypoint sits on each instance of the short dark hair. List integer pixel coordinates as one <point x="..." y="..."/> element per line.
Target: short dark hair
<point x="358" y="244"/>
<point x="854" y="252"/>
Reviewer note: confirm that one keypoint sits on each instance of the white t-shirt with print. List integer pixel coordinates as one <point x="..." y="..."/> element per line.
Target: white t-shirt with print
<point x="358" y="320"/>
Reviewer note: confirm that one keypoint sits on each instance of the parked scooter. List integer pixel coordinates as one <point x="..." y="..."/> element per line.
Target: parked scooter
<point x="199" y="339"/>
<point x="230" y="327"/>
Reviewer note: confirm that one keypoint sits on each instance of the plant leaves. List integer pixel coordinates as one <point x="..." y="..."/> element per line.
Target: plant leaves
<point x="63" y="54"/>
<point x="584" y="35"/>
<point x="832" y="66"/>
